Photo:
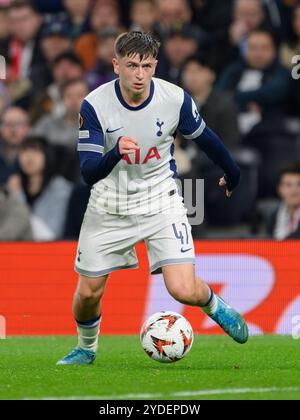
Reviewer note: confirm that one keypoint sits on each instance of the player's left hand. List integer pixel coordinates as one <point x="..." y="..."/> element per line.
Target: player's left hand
<point x="223" y="183"/>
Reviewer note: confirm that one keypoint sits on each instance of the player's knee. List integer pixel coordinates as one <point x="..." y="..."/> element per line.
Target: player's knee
<point x="89" y="296"/>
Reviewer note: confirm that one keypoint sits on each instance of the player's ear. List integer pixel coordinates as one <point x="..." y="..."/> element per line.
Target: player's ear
<point x="116" y="65"/>
<point x="154" y="68"/>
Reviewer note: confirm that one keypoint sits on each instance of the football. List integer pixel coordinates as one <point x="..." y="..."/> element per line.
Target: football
<point x="166" y="336"/>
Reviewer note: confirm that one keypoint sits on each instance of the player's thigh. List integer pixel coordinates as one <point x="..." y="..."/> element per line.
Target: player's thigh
<point x="180" y="280"/>
<point x="106" y="244"/>
<point x="169" y="242"/>
<point x="91" y="287"/>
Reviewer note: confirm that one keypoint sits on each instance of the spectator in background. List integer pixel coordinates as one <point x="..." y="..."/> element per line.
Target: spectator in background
<point x="144" y="16"/>
<point x="259" y="83"/>
<point x="284" y="223"/>
<point x="286" y="8"/>
<point x="247" y="15"/>
<point x="63" y="130"/>
<point x="211" y="15"/>
<point x="291" y="46"/>
<point x="104" y="14"/>
<point x="14" y="218"/>
<point x="76" y="209"/>
<point x="178" y="46"/>
<point x="217" y="109"/>
<point x="37" y="185"/>
<point x="4" y="98"/>
<point x="54" y="41"/>
<point x="28" y="68"/>
<point x="4" y="30"/>
<point x="289" y="50"/>
<point x="77" y="19"/>
<point x="49" y="6"/>
<point x="15" y="126"/>
<point x="103" y="71"/>
<point x="66" y="67"/>
<point x="173" y="14"/>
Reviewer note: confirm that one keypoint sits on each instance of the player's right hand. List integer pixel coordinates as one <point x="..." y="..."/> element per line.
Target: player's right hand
<point x="128" y="145"/>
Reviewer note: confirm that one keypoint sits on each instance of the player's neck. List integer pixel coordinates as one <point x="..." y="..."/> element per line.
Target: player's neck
<point x="133" y="99"/>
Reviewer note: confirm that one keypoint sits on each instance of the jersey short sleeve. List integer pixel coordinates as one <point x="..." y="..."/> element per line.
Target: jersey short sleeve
<point x="191" y="125"/>
<point x="91" y="137"/>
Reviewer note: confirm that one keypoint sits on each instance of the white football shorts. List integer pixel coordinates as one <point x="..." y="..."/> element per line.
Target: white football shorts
<point x="107" y="242"/>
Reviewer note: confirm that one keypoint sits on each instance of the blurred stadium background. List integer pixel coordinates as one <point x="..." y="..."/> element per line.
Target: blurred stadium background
<point x="239" y="60"/>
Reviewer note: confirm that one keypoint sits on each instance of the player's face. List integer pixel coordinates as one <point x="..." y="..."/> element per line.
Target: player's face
<point x="289" y="189"/>
<point x="135" y="74"/>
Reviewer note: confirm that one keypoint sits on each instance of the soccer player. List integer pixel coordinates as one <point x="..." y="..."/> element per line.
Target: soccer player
<point x="126" y="135"/>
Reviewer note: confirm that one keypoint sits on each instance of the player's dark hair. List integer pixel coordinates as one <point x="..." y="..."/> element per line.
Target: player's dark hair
<point x="292" y="168"/>
<point x="132" y="43"/>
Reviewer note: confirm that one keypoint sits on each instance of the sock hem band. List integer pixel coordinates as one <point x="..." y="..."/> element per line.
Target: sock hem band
<point x="91" y="323"/>
<point x="210" y="298"/>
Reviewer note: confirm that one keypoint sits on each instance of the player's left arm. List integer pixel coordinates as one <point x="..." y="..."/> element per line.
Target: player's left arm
<point x="193" y="127"/>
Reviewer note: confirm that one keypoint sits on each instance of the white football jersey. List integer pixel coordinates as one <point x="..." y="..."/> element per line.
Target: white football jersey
<point x="142" y="182"/>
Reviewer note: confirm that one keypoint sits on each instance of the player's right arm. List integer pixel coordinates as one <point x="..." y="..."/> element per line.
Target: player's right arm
<point x="192" y="126"/>
<point x="95" y="165"/>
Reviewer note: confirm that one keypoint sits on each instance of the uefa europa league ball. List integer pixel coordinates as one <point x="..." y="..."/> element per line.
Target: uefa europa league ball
<point x="166" y="336"/>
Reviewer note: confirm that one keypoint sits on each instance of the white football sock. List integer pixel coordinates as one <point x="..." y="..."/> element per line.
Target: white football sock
<point x="88" y="334"/>
<point x="211" y="307"/>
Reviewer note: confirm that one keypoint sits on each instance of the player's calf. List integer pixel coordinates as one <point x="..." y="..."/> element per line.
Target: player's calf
<point x="87" y="313"/>
<point x="186" y="294"/>
<point x="184" y="287"/>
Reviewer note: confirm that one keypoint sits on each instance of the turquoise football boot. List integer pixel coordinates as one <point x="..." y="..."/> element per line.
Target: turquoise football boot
<point x="231" y="321"/>
<point x="78" y="356"/>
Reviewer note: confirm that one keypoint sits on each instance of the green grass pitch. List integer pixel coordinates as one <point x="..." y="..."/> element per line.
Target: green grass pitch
<point x="216" y="368"/>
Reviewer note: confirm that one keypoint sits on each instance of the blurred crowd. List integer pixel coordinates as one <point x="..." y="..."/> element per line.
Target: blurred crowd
<point x="239" y="60"/>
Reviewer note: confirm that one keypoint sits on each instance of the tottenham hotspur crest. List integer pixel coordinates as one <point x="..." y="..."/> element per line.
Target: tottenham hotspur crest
<point x="159" y="124"/>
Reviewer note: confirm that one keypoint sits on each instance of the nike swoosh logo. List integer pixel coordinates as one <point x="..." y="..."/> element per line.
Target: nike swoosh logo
<point x="185" y="250"/>
<point x="112" y="131"/>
